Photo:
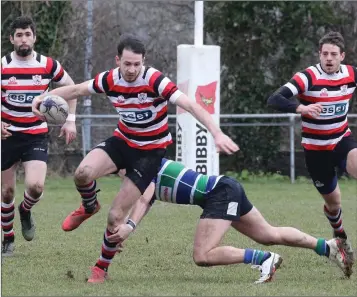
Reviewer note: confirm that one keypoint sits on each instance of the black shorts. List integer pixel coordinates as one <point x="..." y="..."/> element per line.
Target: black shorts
<point x="23" y="147"/>
<point x="322" y="165"/>
<point x="226" y="201"/>
<point x="141" y="165"/>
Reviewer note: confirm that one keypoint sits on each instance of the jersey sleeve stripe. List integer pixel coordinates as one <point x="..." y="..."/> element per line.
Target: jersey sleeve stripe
<point x="304" y="79"/>
<point x="175" y="95"/>
<point x="293" y="87"/>
<point x="98" y="83"/>
<point x="169" y="90"/>
<point x="108" y="81"/>
<point x="152" y="76"/>
<point x="58" y="68"/>
<point x="163" y="84"/>
<point x="157" y="83"/>
<point x="299" y="82"/>
<point x="59" y="75"/>
<point x="352" y="73"/>
<point x="310" y="76"/>
<point x="50" y="66"/>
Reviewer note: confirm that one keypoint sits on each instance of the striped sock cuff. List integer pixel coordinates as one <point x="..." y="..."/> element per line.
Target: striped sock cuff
<point x="248" y="255"/>
<point x="332" y="216"/>
<point x="7" y="205"/>
<point x="87" y="188"/>
<point x="320" y="248"/>
<point x="29" y="201"/>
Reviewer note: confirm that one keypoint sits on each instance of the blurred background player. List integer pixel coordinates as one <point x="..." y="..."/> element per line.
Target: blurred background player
<point x="26" y="74"/>
<point x="324" y="91"/>
<point x="140" y="95"/>
<point x="224" y="204"/>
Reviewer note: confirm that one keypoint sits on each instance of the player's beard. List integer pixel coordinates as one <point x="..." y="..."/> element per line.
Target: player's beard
<point x="23" y="52"/>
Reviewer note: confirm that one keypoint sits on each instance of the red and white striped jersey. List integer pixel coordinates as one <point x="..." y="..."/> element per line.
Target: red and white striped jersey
<point x="334" y="92"/>
<point x="142" y="105"/>
<point x="21" y="82"/>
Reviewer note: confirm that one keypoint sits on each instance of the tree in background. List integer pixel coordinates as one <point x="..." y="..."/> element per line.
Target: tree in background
<point x="262" y="45"/>
<point x="51" y="20"/>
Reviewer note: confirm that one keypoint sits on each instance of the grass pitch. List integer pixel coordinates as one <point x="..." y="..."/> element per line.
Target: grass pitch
<point x="157" y="260"/>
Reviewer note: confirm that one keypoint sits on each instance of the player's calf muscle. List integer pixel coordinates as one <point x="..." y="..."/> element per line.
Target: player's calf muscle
<point x="268" y="238"/>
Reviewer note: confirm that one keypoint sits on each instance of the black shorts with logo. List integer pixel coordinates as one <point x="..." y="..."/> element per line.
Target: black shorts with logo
<point x="226" y="201"/>
<point x="23" y="147"/>
<point x="322" y="165"/>
<point x="141" y="165"/>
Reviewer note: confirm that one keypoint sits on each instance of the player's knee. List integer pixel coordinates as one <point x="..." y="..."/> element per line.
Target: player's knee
<point x="200" y="259"/>
<point x="35" y="190"/>
<point x="7" y="193"/>
<point x="83" y="175"/>
<point x="114" y="219"/>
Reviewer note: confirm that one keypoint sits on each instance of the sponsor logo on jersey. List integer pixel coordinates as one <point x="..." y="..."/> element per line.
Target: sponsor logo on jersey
<point x="135" y="116"/>
<point x="334" y="109"/>
<point x="206" y="96"/>
<point x="22" y="98"/>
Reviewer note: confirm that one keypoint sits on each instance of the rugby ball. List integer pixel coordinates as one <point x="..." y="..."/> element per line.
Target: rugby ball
<point x="55" y="109"/>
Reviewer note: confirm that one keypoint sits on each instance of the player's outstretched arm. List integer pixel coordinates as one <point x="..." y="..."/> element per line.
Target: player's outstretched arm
<point x="223" y="142"/>
<point x="140" y="209"/>
<point x="67" y="93"/>
<point x="142" y="206"/>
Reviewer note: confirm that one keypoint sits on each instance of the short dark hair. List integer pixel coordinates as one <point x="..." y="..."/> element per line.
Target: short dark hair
<point x="22" y="22"/>
<point x="334" y="38"/>
<point x="131" y="43"/>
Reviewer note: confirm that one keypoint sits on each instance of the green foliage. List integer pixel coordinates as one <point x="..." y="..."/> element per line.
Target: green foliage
<point x="51" y="18"/>
<point x="262" y="45"/>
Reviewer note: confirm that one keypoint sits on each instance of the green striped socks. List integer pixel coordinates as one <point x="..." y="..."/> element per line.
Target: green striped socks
<point x="322" y="248"/>
<point x="255" y="257"/>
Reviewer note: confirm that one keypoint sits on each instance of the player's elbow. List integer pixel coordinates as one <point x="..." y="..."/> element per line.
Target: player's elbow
<point x="271" y="102"/>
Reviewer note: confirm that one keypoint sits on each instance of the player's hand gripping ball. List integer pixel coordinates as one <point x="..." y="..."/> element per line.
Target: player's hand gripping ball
<point x="55" y="109"/>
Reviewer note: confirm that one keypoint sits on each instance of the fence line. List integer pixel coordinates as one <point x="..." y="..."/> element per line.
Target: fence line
<point x="290" y="116"/>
